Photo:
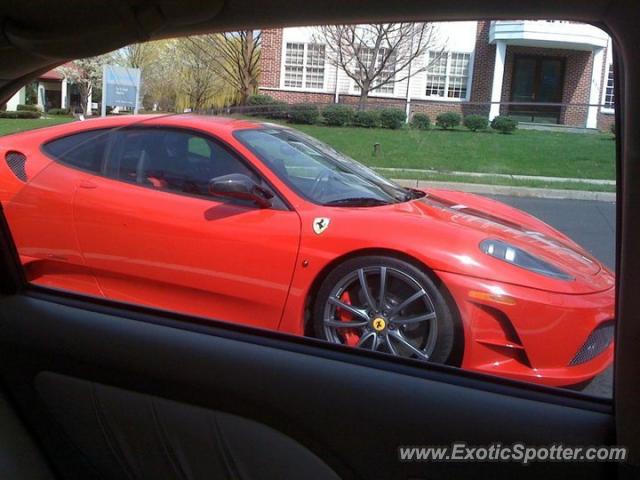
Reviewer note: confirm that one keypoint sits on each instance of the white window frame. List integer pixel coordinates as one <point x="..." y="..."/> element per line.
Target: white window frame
<point x="301" y="66"/>
<point x="445" y="98"/>
<point x="307" y="65"/>
<point x="605" y="83"/>
<point x="303" y="88"/>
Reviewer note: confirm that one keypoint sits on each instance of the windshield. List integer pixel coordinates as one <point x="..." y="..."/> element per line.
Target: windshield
<point x="319" y="172"/>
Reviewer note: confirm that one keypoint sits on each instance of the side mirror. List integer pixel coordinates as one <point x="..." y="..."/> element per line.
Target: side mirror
<point x="240" y="187"/>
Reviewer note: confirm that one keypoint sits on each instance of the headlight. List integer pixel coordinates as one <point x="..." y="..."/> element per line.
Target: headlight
<point x="516" y="256"/>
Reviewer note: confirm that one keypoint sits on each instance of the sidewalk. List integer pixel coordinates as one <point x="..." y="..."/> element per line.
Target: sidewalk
<point x="511" y="191"/>
<point x="417" y="172"/>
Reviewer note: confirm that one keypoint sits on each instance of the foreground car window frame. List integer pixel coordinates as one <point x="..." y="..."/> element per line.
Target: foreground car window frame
<point x="615" y="14"/>
<point x="276" y="190"/>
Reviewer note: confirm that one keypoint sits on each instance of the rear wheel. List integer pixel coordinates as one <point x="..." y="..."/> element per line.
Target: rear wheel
<point x="388" y="305"/>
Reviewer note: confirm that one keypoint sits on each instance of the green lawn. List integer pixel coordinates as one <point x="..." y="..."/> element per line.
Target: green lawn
<point x="526" y="152"/>
<point x="13" y="125"/>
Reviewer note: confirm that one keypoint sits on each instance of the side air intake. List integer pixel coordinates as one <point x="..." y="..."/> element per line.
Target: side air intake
<point x="16" y="162"/>
<point x="596" y="343"/>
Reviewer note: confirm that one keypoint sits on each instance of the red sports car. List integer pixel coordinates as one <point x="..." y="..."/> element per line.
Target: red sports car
<point x="262" y="225"/>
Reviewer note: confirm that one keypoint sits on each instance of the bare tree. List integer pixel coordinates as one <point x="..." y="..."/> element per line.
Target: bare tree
<point x="138" y="55"/>
<point x="197" y="77"/>
<point x="376" y="55"/>
<point x="235" y="56"/>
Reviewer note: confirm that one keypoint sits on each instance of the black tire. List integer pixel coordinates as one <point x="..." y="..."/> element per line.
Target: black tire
<point x="447" y="334"/>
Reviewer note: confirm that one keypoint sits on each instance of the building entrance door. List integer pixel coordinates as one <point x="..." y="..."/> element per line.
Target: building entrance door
<point x="537" y="80"/>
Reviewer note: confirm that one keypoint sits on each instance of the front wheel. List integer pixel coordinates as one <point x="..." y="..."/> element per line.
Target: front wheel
<point x="388" y="305"/>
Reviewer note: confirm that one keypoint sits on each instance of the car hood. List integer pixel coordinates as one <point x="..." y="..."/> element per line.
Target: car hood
<point x="500" y="221"/>
<point x="445" y="229"/>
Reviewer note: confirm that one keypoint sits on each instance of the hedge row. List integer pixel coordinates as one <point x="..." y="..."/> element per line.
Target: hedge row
<point x="20" y="114"/>
<point x="333" y="115"/>
<point x="28" y="108"/>
<point x="393" y="118"/>
<point x="450" y="120"/>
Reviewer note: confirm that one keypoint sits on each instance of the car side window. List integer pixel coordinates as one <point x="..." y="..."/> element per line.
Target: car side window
<point x="83" y="150"/>
<point x="172" y="160"/>
<point x="199" y="146"/>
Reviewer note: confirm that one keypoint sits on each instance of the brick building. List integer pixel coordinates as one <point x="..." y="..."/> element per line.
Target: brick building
<point x="548" y="72"/>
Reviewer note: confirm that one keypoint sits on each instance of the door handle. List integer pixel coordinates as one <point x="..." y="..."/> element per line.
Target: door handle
<point x="87" y="184"/>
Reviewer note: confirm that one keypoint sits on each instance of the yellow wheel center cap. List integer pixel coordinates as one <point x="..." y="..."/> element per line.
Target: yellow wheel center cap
<point x="379" y="324"/>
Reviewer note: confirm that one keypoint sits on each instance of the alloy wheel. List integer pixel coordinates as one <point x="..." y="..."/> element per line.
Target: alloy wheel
<point x="383" y="309"/>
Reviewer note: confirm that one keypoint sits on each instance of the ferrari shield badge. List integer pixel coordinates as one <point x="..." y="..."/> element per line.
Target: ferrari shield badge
<point x="320" y="224"/>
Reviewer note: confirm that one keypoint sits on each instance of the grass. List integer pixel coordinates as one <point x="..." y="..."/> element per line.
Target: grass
<point x="525" y="152"/>
<point x="14" y="125"/>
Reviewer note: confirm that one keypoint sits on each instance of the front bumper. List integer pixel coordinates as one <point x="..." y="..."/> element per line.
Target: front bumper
<point x="532" y="335"/>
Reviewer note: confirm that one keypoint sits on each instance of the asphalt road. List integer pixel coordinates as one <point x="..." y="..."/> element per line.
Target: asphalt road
<point x="592" y="225"/>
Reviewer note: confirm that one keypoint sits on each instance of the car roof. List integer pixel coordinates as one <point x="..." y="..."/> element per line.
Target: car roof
<point x="209" y="123"/>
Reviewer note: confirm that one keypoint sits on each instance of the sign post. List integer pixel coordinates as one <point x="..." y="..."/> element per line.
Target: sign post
<point x="120" y="87"/>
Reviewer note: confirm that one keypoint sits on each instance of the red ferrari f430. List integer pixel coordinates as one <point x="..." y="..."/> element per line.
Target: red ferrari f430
<point x="262" y="225"/>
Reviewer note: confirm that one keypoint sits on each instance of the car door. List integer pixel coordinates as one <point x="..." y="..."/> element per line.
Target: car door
<point x="153" y="235"/>
<point x="41" y="211"/>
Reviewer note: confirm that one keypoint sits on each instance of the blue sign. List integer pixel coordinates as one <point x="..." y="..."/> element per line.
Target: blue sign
<point x="120" y="87"/>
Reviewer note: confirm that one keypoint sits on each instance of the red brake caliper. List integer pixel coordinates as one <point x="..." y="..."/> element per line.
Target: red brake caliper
<point x="351" y="336"/>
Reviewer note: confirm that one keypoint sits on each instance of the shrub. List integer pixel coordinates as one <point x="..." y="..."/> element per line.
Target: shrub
<point x="366" y="118"/>
<point x="262" y="103"/>
<point x="476" y="122"/>
<point x="307" y="114"/>
<point x="20" y="114"/>
<point x="58" y="111"/>
<point x="338" y="115"/>
<point x="421" y="121"/>
<point x="504" y="124"/>
<point x="612" y="129"/>
<point x="28" y="108"/>
<point x="266" y="106"/>
<point x="448" y="120"/>
<point x="392" y="118"/>
<point x="277" y="110"/>
<point x="260" y="100"/>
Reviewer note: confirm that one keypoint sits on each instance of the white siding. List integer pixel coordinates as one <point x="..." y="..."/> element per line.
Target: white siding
<point x="453" y="37"/>
<point x="17" y="99"/>
<point x="450" y="36"/>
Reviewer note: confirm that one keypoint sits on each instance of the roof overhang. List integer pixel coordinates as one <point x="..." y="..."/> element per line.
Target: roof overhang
<point x="548" y="34"/>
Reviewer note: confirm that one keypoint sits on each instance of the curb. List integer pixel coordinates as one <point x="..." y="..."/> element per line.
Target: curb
<point x="551" y="193"/>
<point x="413" y="171"/>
